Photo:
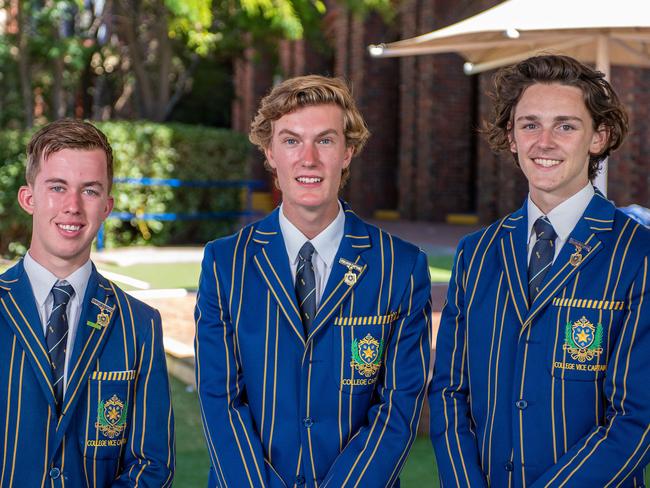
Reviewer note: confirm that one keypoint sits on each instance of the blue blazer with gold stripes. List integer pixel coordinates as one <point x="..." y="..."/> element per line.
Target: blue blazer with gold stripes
<point x="337" y="409"/>
<point x="116" y="424"/>
<point x="554" y="392"/>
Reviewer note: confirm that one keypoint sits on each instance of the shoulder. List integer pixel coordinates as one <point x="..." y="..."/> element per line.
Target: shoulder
<point x="635" y="235"/>
<point x="489" y="234"/>
<point x="257" y="232"/>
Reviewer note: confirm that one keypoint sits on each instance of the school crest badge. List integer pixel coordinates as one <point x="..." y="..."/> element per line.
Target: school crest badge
<point x="366" y="355"/>
<point x="583" y="340"/>
<point x="111" y="416"/>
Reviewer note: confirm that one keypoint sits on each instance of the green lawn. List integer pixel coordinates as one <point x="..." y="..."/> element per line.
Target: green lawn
<point x="159" y="275"/>
<point x="192" y="458"/>
<point x="440" y="268"/>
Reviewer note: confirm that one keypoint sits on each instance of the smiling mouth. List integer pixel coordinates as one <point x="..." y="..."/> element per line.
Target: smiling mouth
<point x="547" y="163"/>
<point x="69" y="227"/>
<point x="309" y="179"/>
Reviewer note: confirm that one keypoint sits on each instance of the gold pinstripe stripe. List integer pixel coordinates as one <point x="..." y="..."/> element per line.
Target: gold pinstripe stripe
<point x="510" y="284"/>
<point x="311" y="448"/>
<point x="18" y="409"/>
<point x="265" y="233"/>
<point x="638" y="446"/>
<point x="113" y="375"/>
<point x="382" y="275"/>
<point x="27" y="342"/>
<point x="8" y="413"/>
<point x="392" y="271"/>
<point x="85" y="451"/>
<point x="259" y="241"/>
<point x="509" y="226"/>
<point x="589" y="303"/>
<point x="275" y="378"/>
<point x="367" y="320"/>
<point x="611" y="402"/>
<point x="144" y="403"/>
<point x="489" y="375"/>
<point x="211" y="449"/>
<point x="610" y="221"/>
<point x="521" y="412"/>
<point x="266" y="362"/>
<point x="360" y="246"/>
<point x="452" y="372"/>
<point x="516" y="218"/>
<point x="350" y="236"/>
<point x="395" y="354"/>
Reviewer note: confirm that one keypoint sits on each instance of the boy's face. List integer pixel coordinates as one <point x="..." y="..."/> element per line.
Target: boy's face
<point x="68" y="202"/>
<point x="553" y="135"/>
<point x="308" y="151"/>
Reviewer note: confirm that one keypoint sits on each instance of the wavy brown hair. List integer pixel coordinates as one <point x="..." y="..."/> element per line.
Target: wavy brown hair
<point x="601" y="101"/>
<point x="304" y="91"/>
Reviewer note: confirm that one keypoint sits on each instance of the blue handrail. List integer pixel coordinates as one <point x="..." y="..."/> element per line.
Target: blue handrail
<point x="249" y="185"/>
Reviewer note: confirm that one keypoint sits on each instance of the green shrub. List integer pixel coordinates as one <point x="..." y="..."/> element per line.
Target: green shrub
<point x="143" y="149"/>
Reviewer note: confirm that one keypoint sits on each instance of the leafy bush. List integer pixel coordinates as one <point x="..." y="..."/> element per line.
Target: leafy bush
<point x="143" y="149"/>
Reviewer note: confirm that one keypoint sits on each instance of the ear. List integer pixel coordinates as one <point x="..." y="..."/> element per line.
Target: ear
<point x="109" y="206"/>
<point x="26" y="198"/>
<point x="269" y="157"/>
<point x="511" y="138"/>
<point x="599" y="140"/>
<point x="347" y="158"/>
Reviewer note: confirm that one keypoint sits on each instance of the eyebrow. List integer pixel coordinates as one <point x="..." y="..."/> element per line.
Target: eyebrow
<point x="320" y="134"/>
<point x="84" y="184"/>
<point x="559" y="118"/>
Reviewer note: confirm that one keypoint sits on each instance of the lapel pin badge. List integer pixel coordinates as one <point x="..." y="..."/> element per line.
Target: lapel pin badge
<point x="103" y="317"/>
<point x="350" y="277"/>
<point x="576" y="257"/>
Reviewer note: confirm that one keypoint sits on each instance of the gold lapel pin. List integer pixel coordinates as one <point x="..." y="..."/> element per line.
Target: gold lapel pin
<point x="351" y="276"/>
<point x="576" y="257"/>
<point x="104" y="315"/>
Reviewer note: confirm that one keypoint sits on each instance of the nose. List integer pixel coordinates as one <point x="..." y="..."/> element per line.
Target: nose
<point x="546" y="138"/>
<point x="72" y="203"/>
<point x="309" y="155"/>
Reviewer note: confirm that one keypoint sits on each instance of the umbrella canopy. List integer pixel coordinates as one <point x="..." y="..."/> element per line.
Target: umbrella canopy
<point x="603" y="32"/>
<point x="596" y="31"/>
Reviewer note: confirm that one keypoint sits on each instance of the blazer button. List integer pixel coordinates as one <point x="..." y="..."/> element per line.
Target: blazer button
<point x="509" y="466"/>
<point x="55" y="473"/>
<point x="300" y="480"/>
<point x="521" y="404"/>
<point x="307" y="422"/>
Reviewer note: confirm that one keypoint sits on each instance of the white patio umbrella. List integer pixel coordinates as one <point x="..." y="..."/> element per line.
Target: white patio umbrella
<point x="603" y="32"/>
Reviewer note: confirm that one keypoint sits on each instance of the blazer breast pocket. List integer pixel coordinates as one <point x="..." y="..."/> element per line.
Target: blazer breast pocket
<point x="108" y="410"/>
<point x="358" y="344"/>
<point x="578" y="346"/>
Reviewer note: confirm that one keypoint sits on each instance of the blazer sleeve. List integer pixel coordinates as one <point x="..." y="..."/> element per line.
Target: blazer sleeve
<point x="149" y="454"/>
<point x="234" y="445"/>
<point x="377" y="452"/>
<point x="610" y="453"/>
<point x="452" y="433"/>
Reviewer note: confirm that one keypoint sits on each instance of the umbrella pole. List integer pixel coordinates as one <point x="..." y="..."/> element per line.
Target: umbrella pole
<point x="603" y="65"/>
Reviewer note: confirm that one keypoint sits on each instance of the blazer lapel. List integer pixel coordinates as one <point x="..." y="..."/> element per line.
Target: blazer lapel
<point x="273" y="265"/>
<point x="18" y="306"/>
<point x="581" y="246"/>
<point x="513" y="254"/>
<point x="355" y="242"/>
<point x="89" y="342"/>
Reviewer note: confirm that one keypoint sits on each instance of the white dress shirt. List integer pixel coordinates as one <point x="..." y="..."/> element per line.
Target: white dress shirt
<point x="563" y="218"/>
<point x="42" y="281"/>
<point x="326" y="245"/>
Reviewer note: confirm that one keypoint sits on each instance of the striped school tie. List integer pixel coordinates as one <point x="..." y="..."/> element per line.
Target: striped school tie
<point x="541" y="258"/>
<point x="306" y="286"/>
<point x="57" y="335"/>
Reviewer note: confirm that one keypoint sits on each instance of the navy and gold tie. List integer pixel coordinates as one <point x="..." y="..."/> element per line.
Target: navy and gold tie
<point x="306" y="286"/>
<point x="541" y="258"/>
<point x="57" y="335"/>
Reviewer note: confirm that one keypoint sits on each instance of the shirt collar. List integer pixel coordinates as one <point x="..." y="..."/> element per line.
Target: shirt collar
<point x="42" y="279"/>
<point x="326" y="243"/>
<point x="565" y="216"/>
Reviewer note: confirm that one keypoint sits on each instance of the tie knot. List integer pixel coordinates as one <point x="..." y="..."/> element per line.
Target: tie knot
<point x="306" y="251"/>
<point x="543" y="229"/>
<point x="62" y="292"/>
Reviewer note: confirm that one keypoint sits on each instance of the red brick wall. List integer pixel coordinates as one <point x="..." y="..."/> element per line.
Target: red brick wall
<point x="425" y="157"/>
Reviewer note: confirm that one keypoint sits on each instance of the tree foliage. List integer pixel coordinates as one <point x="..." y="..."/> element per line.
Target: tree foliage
<point x="105" y="59"/>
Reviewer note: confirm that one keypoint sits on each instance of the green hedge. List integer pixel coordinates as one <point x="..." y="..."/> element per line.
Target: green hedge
<point x="143" y="149"/>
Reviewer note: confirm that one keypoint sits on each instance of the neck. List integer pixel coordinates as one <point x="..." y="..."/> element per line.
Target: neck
<point x="59" y="267"/>
<point x="311" y="223"/>
<point x="547" y="201"/>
